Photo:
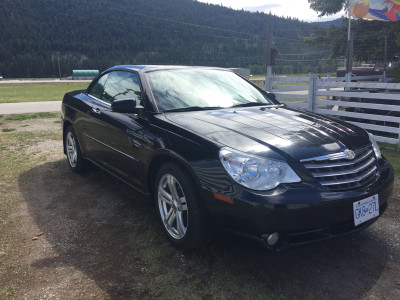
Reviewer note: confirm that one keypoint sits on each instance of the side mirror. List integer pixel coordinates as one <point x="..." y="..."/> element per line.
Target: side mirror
<point x="126" y="106"/>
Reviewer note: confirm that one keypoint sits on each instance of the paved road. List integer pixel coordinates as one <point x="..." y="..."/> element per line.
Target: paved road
<point x="17" y="82"/>
<point x="29" y="107"/>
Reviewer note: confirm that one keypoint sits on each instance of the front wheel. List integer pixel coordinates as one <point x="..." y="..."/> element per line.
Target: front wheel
<point x="74" y="155"/>
<point x="179" y="207"/>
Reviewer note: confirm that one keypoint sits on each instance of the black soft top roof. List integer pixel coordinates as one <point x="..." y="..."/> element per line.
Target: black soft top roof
<point x="150" y="68"/>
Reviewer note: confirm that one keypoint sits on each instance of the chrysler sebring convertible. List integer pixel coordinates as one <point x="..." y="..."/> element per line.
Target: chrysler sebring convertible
<point x="212" y="150"/>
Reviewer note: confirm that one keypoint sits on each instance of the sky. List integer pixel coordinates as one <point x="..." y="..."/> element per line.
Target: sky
<point x="299" y="9"/>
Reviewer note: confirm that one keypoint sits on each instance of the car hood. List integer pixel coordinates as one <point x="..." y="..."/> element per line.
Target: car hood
<point x="275" y="132"/>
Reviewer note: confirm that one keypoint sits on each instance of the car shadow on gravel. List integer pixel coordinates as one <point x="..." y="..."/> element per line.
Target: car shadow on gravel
<point x="109" y="232"/>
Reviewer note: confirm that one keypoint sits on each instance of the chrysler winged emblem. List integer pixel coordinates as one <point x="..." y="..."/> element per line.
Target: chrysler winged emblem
<point x="346" y="154"/>
<point x="349" y="154"/>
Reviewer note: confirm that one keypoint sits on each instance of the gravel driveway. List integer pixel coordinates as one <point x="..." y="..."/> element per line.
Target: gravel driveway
<point x="69" y="236"/>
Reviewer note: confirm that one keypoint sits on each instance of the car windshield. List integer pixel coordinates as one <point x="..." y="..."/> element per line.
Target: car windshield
<point x="200" y="89"/>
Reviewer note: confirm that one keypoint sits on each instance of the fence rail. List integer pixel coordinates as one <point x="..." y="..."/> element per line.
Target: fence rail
<point x="374" y="106"/>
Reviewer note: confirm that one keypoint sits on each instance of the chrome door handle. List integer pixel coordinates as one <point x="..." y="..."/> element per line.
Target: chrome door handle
<point x="96" y="110"/>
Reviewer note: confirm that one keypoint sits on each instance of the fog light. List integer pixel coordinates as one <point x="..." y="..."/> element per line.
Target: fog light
<point x="273" y="239"/>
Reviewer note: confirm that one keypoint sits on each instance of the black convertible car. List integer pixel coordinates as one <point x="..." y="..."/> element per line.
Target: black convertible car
<point x="210" y="148"/>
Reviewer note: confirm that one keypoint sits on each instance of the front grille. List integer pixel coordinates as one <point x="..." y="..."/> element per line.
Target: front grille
<point x="344" y="174"/>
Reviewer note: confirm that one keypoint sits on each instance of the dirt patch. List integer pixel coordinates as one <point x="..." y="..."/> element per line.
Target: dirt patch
<point x="102" y="240"/>
<point x="35" y="125"/>
<point x="50" y="147"/>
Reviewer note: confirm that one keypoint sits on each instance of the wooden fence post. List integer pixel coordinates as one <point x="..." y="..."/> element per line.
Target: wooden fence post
<point x="311" y="83"/>
<point x="328" y="78"/>
<point x="398" y="142"/>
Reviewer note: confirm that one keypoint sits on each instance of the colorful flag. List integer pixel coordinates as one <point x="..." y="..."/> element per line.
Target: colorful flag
<point x="382" y="10"/>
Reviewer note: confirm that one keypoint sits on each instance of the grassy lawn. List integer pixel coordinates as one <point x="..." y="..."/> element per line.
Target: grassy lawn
<point x="35" y="93"/>
<point x="262" y="86"/>
<point x="293" y="84"/>
<point x="22" y="117"/>
<point x="293" y="100"/>
<point x="394" y="159"/>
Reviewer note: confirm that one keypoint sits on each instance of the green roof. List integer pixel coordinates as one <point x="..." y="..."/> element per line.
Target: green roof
<point x="85" y="73"/>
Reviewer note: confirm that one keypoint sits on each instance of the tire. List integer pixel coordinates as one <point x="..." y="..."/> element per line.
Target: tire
<point x="74" y="155"/>
<point x="179" y="207"/>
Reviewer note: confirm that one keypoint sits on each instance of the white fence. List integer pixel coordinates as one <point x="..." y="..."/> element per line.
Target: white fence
<point x="374" y="106"/>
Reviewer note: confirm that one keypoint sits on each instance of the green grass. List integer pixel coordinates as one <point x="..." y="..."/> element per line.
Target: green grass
<point x="394" y="159"/>
<point x="39" y="92"/>
<point x="293" y="100"/>
<point x="293" y="84"/>
<point x="22" y="117"/>
<point x="390" y="152"/>
<point x="8" y="129"/>
<point x="260" y="85"/>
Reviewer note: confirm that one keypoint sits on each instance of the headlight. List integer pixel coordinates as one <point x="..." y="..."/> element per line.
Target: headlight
<point x="375" y="146"/>
<point x="256" y="173"/>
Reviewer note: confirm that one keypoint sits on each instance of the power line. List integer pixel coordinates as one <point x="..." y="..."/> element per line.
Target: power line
<point x="297" y="42"/>
<point x="174" y="21"/>
<point x="236" y="57"/>
<point x="286" y="39"/>
<point x="302" y="54"/>
<point x="121" y="23"/>
<point x="303" y="60"/>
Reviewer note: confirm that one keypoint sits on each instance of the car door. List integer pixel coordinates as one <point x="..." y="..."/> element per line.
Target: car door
<point x="116" y="139"/>
<point x="86" y="123"/>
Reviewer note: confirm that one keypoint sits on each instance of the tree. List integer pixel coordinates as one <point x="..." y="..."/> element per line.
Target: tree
<point x="326" y="8"/>
<point x="107" y="33"/>
<point x="368" y="39"/>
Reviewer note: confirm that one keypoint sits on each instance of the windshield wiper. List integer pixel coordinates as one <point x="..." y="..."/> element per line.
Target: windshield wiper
<point x="248" y="104"/>
<point x="192" y="108"/>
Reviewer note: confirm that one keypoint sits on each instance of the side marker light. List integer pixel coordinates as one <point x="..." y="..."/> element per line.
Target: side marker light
<point x="223" y="198"/>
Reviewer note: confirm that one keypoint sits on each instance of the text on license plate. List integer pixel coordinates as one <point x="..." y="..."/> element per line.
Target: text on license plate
<point x="366" y="209"/>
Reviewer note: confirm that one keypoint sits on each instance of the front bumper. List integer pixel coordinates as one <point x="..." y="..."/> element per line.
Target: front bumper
<point x="299" y="213"/>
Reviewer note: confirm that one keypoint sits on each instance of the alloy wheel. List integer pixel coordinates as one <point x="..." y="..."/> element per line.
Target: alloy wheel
<point x="173" y="206"/>
<point x="72" y="152"/>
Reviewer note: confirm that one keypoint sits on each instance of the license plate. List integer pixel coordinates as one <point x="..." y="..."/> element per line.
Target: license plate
<point x="366" y="209"/>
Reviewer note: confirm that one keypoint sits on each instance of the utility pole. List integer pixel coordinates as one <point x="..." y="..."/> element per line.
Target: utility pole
<point x="268" y="63"/>
<point x="349" y="28"/>
<point x="59" y="68"/>
<point x="385" y="61"/>
<point x="349" y="60"/>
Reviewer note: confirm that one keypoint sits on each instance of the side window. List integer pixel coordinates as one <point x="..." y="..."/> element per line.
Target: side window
<point x="98" y="88"/>
<point x="122" y="85"/>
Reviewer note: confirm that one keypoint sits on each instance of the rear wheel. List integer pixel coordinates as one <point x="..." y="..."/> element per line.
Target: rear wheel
<point x="179" y="207"/>
<point x="74" y="155"/>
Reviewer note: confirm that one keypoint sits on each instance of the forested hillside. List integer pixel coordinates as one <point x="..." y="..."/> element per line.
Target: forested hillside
<point x="369" y="40"/>
<point x="89" y="34"/>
